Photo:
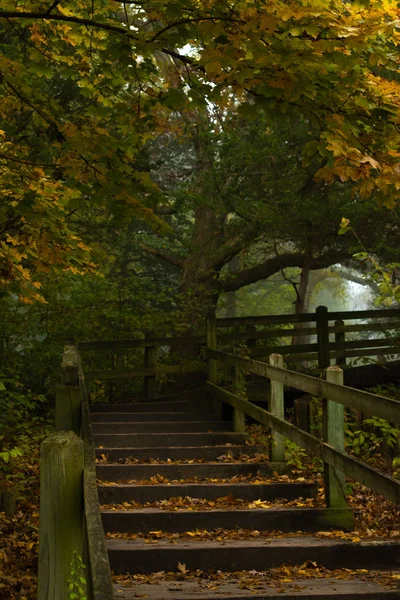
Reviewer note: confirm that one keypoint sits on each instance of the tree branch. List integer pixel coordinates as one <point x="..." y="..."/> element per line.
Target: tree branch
<point x="177" y="261"/>
<point x="275" y="264"/>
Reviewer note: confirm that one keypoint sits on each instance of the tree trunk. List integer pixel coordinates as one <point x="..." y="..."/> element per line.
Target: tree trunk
<point x="301" y="304"/>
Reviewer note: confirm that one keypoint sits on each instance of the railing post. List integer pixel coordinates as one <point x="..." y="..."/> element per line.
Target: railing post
<point x="277" y="408"/>
<point x="211" y="332"/>
<point x="333" y="434"/>
<point x="321" y="314"/>
<point x="150" y="381"/>
<point x="61" y="506"/>
<point x="340" y="336"/>
<point x="68" y="394"/>
<point x="239" y="419"/>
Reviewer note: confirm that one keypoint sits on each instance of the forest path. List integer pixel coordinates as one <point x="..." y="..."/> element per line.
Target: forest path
<point x="191" y="510"/>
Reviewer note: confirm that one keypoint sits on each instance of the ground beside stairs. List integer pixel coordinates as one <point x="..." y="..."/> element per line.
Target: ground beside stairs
<point x="192" y="511"/>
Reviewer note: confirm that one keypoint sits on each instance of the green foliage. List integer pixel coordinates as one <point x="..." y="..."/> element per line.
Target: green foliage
<point x="77" y="581"/>
<point x="371" y="438"/>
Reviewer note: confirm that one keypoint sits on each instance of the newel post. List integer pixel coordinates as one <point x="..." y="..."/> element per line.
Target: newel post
<point x="68" y="394"/>
<point x="277" y="408"/>
<point x="211" y="333"/>
<point x="333" y="433"/>
<point x="61" y="512"/>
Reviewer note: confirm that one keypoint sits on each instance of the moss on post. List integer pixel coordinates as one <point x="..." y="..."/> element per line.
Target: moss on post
<point x="61" y="512"/>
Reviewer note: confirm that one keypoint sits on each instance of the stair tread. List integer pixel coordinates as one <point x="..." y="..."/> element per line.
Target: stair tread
<point x="305" y="541"/>
<point x="206" y="589"/>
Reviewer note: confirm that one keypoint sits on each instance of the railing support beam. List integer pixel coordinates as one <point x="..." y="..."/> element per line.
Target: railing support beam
<point x="277" y="408"/>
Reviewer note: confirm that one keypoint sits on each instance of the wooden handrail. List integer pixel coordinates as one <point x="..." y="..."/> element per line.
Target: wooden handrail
<point x="99" y="581"/>
<point x="372" y="404"/>
<point x="361" y="472"/>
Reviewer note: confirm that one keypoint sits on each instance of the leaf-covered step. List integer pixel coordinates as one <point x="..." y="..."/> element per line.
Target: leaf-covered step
<point x="127" y="556"/>
<point x="152" y="493"/>
<point x="260" y="587"/>
<point x="141" y="440"/>
<point x="139" y="417"/>
<point x="151" y="406"/>
<point x="308" y="520"/>
<point x="178" y="453"/>
<point x="161" y="427"/>
<point x="181" y="471"/>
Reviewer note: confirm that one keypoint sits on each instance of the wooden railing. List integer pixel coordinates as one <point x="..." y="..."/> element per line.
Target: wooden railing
<point x="72" y="549"/>
<point x="337" y="463"/>
<point x="322" y="324"/>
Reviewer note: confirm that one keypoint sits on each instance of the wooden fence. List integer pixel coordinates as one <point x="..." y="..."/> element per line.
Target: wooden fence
<point x="72" y="551"/>
<point x="322" y="324"/>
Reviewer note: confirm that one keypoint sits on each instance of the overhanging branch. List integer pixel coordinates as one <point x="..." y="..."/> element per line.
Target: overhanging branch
<point x="273" y="265"/>
<point x="177" y="261"/>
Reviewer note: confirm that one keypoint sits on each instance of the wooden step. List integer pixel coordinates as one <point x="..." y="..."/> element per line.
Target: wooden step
<point x="164" y="427"/>
<point x="308" y="520"/>
<point x="179" y="453"/>
<point x="114" y="472"/>
<point x="129" y="556"/>
<point x="209" y="589"/>
<point x="149" y="406"/>
<point x="109" y="494"/>
<point x="139" y="417"/>
<point x="141" y="440"/>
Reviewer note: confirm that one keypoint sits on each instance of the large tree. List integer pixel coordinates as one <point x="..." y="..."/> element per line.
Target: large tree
<point x="85" y="84"/>
<point x="240" y="191"/>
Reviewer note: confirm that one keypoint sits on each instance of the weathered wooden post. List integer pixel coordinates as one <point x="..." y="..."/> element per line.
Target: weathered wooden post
<point x="277" y="408"/>
<point x="238" y="382"/>
<point x="333" y="434"/>
<point x="340" y="336"/>
<point x="68" y="394"/>
<point x="61" y="529"/>
<point x="322" y="336"/>
<point x="150" y="381"/>
<point x="211" y="332"/>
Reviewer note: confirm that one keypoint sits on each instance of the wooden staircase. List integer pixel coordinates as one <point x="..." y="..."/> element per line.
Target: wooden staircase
<point x="245" y="546"/>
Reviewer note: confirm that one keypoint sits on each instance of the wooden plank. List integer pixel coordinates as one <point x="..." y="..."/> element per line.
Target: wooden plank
<point x="361" y="472"/>
<point x="309" y="317"/>
<point x="365" y="327"/>
<point x="269" y="334"/>
<point x="390" y="350"/>
<point x="365" y="314"/>
<point x="99" y="572"/>
<point x="287" y="349"/>
<point x="365" y="344"/>
<point x="197" y="367"/>
<point x="268" y="320"/>
<point x="138" y="343"/>
<point x="361" y="401"/>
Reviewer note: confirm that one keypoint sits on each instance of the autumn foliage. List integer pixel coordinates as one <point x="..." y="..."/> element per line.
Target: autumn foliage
<point x="85" y="85"/>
